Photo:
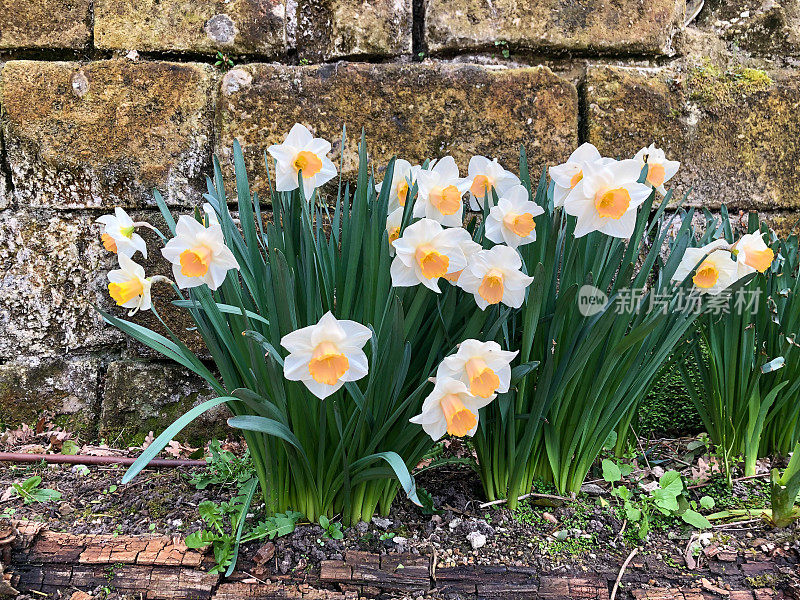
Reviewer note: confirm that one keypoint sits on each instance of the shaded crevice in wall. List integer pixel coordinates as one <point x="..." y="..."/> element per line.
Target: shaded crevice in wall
<point x="418" y="45"/>
<point x="6" y="171"/>
<point x="583" y="112"/>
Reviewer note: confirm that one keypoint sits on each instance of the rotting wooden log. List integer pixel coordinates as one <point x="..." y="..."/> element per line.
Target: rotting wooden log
<point x="160" y="568"/>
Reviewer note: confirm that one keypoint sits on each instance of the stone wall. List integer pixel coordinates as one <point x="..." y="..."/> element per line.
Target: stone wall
<point x="102" y="101"/>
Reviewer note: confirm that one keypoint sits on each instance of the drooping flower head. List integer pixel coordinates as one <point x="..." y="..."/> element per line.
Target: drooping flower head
<point x="302" y="152"/>
<point x="483" y="367"/>
<point x="494" y="276"/>
<point x="440" y="191"/>
<point x="659" y="169"/>
<point x="425" y="252"/>
<point x="128" y="286"/>
<point x="567" y="175"/>
<point x="450" y="408"/>
<point x="511" y="221"/>
<point x="119" y="234"/>
<point x="403" y="178"/>
<point x="606" y="199"/>
<point x="752" y="254"/>
<point x="483" y="175"/>
<point x="327" y="355"/>
<point x="198" y="254"/>
<point x="715" y="272"/>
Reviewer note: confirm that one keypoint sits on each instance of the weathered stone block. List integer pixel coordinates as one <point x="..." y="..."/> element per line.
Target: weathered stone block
<point x="762" y="28"/>
<point x="139" y="397"/>
<point x="106" y="133"/>
<point x="64" y="387"/>
<point x="736" y="133"/>
<point x="26" y="24"/>
<point x="233" y="27"/>
<point x="641" y="26"/>
<point x="415" y="111"/>
<point x="345" y="28"/>
<point x="52" y="273"/>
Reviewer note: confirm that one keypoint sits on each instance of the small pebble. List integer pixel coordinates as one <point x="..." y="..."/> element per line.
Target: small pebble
<point x="476" y="540"/>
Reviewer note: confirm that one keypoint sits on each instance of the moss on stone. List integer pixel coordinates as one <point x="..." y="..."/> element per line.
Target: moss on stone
<point x="734" y="131"/>
<point x="233" y="26"/>
<point x="139" y="397"/>
<point x="47" y="24"/>
<point x="418" y="111"/>
<point x="710" y="84"/>
<point x="641" y="26"/>
<point x="65" y="389"/>
<point x="106" y="133"/>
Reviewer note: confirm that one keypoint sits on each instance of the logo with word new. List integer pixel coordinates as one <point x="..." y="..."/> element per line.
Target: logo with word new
<point x="591" y="300"/>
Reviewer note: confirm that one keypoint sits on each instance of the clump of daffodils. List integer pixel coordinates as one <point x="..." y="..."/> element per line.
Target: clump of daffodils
<point x="466" y="243"/>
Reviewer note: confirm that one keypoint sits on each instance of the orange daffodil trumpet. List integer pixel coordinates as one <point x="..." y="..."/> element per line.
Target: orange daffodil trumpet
<point x="301" y="154"/>
<point x="483" y="367"/>
<point x="440" y="191"/>
<point x="511" y="221"/>
<point x="752" y="254"/>
<point x="606" y="198"/>
<point x="450" y="408"/>
<point x="714" y="269"/>
<point x="494" y="276"/>
<point x="659" y="169"/>
<point x="327" y="355"/>
<point x="483" y="175"/>
<point x="119" y="234"/>
<point x="425" y="252"/>
<point x="129" y="287"/>
<point x="198" y="254"/>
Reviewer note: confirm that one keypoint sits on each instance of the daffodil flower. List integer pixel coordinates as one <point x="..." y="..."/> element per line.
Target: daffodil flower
<point x="393" y="223"/>
<point x="425" y="252"/>
<point x="128" y="286"/>
<point x="327" y="355"/>
<point x="752" y="254"/>
<point x="483" y="367"/>
<point x="198" y="254"/>
<point x="494" y="276"/>
<point x="450" y="408"/>
<point x="567" y="175"/>
<point x="659" y="169"/>
<point x="403" y="178"/>
<point x="119" y="234"/>
<point x="439" y="194"/>
<point x="483" y="175"/>
<point x="715" y="272"/>
<point x="302" y="153"/>
<point x="606" y="199"/>
<point x="511" y="221"/>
